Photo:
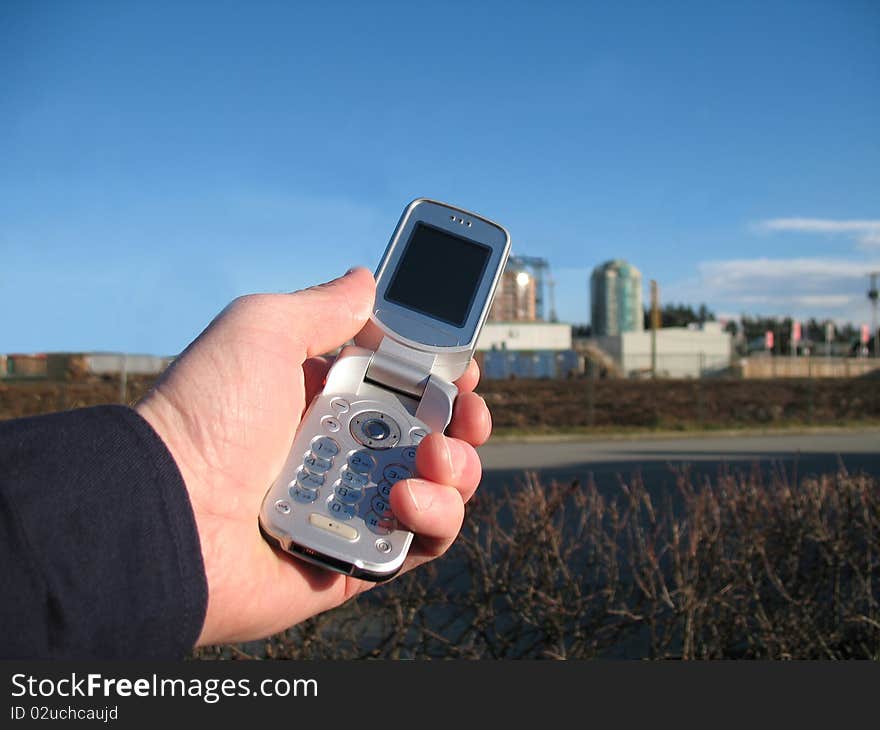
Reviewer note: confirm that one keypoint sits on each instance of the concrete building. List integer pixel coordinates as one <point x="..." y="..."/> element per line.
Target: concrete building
<point x="682" y="352"/>
<point x="526" y="350"/>
<point x="525" y="336"/>
<point x="616" y="299"/>
<point x="73" y="365"/>
<point x="768" y="366"/>
<point x="103" y="363"/>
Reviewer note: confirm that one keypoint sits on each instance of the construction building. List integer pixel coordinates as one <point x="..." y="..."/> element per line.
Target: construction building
<point x="514" y="298"/>
<point x="521" y="296"/>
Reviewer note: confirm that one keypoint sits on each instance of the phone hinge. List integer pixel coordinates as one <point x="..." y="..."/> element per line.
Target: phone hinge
<point x="407" y="371"/>
<point x="400" y="368"/>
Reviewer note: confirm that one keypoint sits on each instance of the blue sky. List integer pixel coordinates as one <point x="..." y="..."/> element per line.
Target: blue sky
<point x="158" y="159"/>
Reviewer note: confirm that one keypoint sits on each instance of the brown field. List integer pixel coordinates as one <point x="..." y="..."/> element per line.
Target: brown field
<point x="567" y="405"/>
<point x="583" y="404"/>
<point x="32" y="397"/>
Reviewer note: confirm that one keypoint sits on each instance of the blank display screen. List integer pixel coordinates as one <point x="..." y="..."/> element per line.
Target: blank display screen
<point x="439" y="274"/>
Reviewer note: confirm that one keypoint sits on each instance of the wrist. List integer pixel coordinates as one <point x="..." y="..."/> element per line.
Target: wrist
<point x="169" y="425"/>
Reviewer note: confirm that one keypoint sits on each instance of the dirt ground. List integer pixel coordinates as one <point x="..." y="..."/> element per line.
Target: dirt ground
<point x="32" y="397"/>
<point x="559" y="405"/>
<point x="679" y="404"/>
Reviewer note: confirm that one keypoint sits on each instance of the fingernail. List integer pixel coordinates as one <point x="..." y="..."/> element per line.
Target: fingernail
<point x="421" y="494"/>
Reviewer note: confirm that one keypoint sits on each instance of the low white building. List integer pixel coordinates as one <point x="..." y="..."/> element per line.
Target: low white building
<point x="529" y="336"/>
<point x="105" y="363"/>
<point x="682" y="352"/>
<point x="526" y="350"/>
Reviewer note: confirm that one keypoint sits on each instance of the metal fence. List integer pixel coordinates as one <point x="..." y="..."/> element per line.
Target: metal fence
<point x="504" y="364"/>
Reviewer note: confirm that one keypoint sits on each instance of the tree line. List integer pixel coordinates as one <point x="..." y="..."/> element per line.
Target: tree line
<point x="748" y="328"/>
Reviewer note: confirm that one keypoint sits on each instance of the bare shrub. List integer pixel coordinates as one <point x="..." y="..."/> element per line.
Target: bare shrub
<point x="738" y="568"/>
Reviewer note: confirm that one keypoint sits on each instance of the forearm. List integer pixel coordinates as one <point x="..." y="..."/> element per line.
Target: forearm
<point x="99" y="554"/>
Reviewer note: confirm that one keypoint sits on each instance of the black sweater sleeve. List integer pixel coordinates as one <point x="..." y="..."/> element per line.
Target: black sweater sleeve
<point x="99" y="554"/>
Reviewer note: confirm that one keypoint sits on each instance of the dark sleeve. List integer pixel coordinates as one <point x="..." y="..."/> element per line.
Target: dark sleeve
<point x="99" y="554"/>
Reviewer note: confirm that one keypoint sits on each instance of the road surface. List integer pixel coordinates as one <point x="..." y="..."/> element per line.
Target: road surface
<point x="656" y="458"/>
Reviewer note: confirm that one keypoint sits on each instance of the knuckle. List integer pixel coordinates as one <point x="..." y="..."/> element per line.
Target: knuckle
<point x="242" y="303"/>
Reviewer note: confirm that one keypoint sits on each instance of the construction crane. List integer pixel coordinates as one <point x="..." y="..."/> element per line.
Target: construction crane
<point x="873" y="296"/>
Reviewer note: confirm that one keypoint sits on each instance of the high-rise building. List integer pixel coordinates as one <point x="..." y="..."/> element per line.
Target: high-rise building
<point x="516" y="296"/>
<point x="616" y="299"/>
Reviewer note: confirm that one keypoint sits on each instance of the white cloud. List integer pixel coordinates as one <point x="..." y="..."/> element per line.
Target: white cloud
<point x="832" y="286"/>
<point x="865" y="232"/>
<point x="819" y="225"/>
<point x="726" y="274"/>
<point x="870" y="240"/>
<point x="832" y="301"/>
<point x="801" y="287"/>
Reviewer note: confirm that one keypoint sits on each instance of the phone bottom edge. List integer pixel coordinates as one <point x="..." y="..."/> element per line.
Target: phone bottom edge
<point x="313" y="557"/>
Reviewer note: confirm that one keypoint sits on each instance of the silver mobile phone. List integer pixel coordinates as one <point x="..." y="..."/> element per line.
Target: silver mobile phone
<point x="434" y="286"/>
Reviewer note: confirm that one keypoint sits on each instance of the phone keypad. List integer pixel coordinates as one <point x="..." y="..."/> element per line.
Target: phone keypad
<point x="362" y="469"/>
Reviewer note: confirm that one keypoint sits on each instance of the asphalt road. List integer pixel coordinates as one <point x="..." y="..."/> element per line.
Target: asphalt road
<point x="658" y="459"/>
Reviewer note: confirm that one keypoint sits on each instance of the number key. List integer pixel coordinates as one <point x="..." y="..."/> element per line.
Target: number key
<point x="380" y="506"/>
<point x="325" y="446"/>
<point x="340" y="510"/>
<point x="316" y="464"/>
<point x="348" y="495"/>
<point x="384" y="488"/>
<point x="302" y="494"/>
<point x="361" y="462"/>
<point x="305" y="478"/>
<point x="396" y="472"/>
<point x="379" y="525"/>
<point x="353" y="479"/>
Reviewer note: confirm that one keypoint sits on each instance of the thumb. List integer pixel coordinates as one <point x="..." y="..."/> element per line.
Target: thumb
<point x="325" y="316"/>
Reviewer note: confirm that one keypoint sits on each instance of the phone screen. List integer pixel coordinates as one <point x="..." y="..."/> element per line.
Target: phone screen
<point x="439" y="274"/>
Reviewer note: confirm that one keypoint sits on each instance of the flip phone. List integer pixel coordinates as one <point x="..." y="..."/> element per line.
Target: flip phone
<point x="434" y="286"/>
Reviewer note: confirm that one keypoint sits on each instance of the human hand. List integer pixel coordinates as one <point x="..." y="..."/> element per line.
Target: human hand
<point x="228" y="409"/>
